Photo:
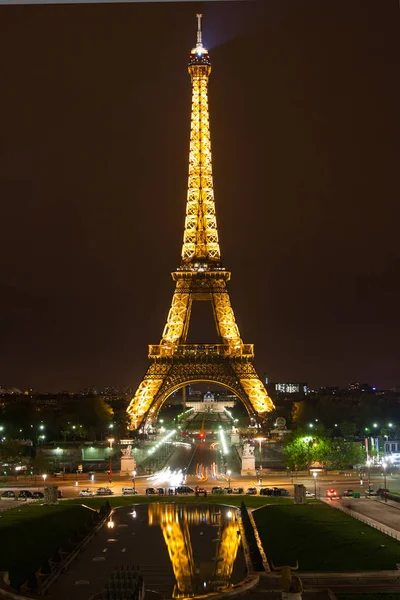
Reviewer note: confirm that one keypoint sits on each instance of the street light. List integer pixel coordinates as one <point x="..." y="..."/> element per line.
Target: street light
<point x="134" y="480"/>
<point x="369" y="473"/>
<point x="110" y="440"/>
<point x="44" y="480"/>
<point x="384" y="465"/>
<point x="229" y="478"/>
<point x="260" y="440"/>
<point x="315" y="483"/>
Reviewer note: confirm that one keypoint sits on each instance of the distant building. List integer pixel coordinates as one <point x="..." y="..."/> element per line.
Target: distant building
<point x="329" y="391"/>
<point x="289" y="388"/>
<point x="361" y="387"/>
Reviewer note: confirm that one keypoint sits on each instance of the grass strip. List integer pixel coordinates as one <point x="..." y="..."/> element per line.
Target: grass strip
<point x="230" y="499"/>
<point x="31" y="534"/>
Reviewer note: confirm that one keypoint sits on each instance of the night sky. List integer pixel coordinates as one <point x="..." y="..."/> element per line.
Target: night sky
<point x="94" y="138"/>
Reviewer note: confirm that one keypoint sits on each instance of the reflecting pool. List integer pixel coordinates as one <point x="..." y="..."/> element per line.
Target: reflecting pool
<point x="202" y="543"/>
<point x="181" y="550"/>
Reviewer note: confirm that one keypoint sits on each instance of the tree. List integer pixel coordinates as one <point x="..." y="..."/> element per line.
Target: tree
<point x="303" y="450"/>
<point x="12" y="454"/>
<point x="87" y="416"/>
<point x="344" y="454"/>
<point x="348" y="429"/>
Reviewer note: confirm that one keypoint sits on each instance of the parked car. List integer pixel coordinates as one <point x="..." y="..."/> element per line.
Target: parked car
<point x="238" y="490"/>
<point x="150" y="491"/>
<point x="283" y="492"/>
<point x="265" y="492"/>
<point x="217" y="490"/>
<point x="310" y="494"/>
<point x="160" y="491"/>
<point x="370" y="492"/>
<point x="332" y="494"/>
<point x="200" y="490"/>
<point x="104" y="491"/>
<point x="251" y="491"/>
<point x="228" y="490"/>
<point x="37" y="495"/>
<point x="8" y="495"/>
<point x="24" y="494"/>
<point x="184" y="489"/>
<point x="348" y="493"/>
<point x="129" y="491"/>
<point x="86" y="493"/>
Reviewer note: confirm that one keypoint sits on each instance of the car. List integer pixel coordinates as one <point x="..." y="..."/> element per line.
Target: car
<point x="86" y="493"/>
<point x="251" y="491"/>
<point x="8" y="495"/>
<point x="266" y="492"/>
<point x="37" y="495"/>
<point x="370" y="492"/>
<point x="238" y="490"/>
<point x="200" y="490"/>
<point x="150" y="491"/>
<point x="347" y="493"/>
<point x="228" y="490"/>
<point x="24" y="494"/>
<point x="184" y="489"/>
<point x="160" y="491"/>
<point x="283" y="492"/>
<point x="104" y="491"/>
<point x="60" y="494"/>
<point x="310" y="494"/>
<point x="217" y="490"/>
<point x="129" y="491"/>
<point x="331" y="494"/>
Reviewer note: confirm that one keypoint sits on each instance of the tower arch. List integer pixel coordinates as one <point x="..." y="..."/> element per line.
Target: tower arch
<point x="184" y="381"/>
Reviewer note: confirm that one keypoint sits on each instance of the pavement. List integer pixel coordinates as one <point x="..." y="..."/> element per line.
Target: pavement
<point x="386" y="513"/>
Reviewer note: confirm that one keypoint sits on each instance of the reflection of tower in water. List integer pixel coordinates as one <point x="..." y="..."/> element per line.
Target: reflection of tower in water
<point x="192" y="578"/>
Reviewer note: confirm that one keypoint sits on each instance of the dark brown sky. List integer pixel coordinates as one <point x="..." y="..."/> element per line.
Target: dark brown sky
<point x="94" y="133"/>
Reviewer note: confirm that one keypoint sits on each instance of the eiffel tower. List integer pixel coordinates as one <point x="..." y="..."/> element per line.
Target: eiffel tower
<point x="200" y="276"/>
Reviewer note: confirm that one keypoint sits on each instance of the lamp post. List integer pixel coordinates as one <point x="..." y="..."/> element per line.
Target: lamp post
<point x="110" y="440"/>
<point x="260" y="440"/>
<point x="229" y="478"/>
<point x="384" y="465"/>
<point x="369" y="473"/>
<point x="44" y="480"/>
<point x="134" y="480"/>
<point x="315" y="483"/>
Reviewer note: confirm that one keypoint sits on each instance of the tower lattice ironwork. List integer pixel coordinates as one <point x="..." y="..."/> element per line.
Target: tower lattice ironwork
<point x="200" y="276"/>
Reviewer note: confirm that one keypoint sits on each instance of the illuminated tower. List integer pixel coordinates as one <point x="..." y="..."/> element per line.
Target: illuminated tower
<point x="200" y="276"/>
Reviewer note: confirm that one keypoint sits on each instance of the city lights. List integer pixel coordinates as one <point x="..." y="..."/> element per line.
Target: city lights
<point x="164" y="440"/>
<point x="223" y="441"/>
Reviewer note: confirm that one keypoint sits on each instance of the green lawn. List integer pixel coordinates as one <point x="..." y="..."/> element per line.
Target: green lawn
<point x="31" y="534"/>
<point x="376" y="596"/>
<point x="322" y="538"/>
<point x="250" y="501"/>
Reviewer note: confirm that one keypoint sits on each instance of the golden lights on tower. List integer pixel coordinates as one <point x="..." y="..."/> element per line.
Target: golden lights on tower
<point x="200" y="276"/>
<point x="174" y="521"/>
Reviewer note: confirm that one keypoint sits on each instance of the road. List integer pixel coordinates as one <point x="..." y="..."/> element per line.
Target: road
<point x="385" y="513"/>
<point x="185" y="457"/>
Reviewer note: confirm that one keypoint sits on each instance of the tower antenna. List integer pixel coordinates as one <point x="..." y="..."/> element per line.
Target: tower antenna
<point x="199" y="36"/>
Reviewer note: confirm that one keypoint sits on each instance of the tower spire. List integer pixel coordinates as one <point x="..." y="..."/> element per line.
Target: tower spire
<point x="199" y="34"/>
<point x="200" y="239"/>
